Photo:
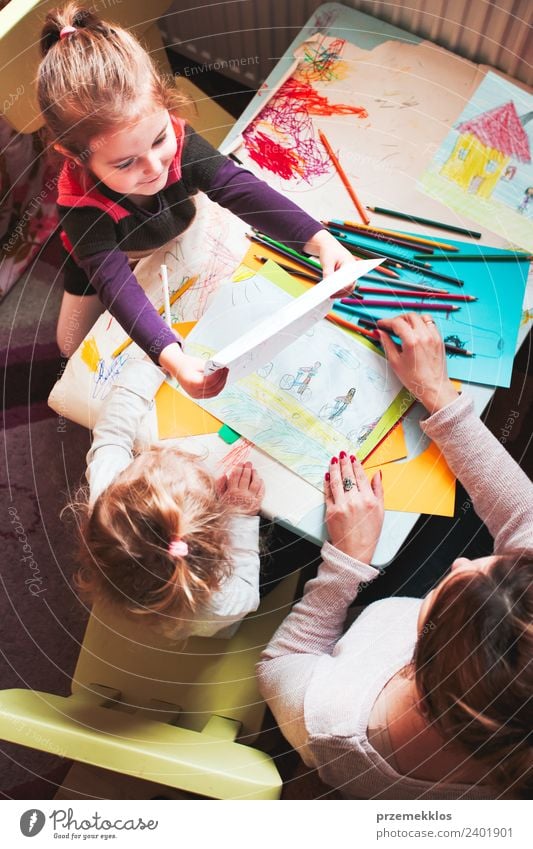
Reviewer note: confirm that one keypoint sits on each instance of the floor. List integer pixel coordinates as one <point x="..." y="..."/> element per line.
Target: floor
<point x="43" y="620"/>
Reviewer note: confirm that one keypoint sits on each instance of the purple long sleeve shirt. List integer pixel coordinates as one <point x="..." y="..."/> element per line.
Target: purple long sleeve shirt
<point x="99" y="244"/>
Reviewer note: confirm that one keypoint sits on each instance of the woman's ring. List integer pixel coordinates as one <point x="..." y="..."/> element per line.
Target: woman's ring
<point x="347" y="484"/>
<point x="428" y="321"/>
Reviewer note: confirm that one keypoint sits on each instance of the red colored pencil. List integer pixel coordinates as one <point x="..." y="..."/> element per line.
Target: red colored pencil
<point x="347" y="185"/>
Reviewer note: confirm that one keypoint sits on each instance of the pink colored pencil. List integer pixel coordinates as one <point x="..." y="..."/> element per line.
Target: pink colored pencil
<point x="442" y="296"/>
<point x="406" y="305"/>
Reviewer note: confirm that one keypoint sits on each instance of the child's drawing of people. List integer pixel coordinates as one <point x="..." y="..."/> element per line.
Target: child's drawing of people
<point x="526" y="200"/>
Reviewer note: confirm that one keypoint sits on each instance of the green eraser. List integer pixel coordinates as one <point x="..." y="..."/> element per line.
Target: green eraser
<point x="228" y="434"/>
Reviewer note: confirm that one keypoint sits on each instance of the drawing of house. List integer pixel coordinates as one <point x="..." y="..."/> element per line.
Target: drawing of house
<point x="484" y="148"/>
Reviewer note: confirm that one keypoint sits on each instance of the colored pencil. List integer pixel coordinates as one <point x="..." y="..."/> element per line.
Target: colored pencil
<point x="286" y="252"/>
<point x="485" y="257"/>
<point x="166" y="295"/>
<point x="347" y="185"/>
<point x="314" y="277"/>
<point x="413" y="237"/>
<point x="376" y="235"/>
<point x="350" y="326"/>
<point x="299" y="256"/>
<point x="417" y="219"/>
<point x="450" y="349"/>
<point x="405" y="293"/>
<point x="187" y="285"/>
<point x="343" y="237"/>
<point x="374" y="302"/>
<point x="407" y="284"/>
<point x="391" y="259"/>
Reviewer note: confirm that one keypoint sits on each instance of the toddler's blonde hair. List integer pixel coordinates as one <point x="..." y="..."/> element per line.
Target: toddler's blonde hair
<point x="125" y="560"/>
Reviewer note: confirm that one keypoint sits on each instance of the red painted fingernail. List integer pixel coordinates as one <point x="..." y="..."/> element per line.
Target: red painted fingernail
<point x="327" y="476"/>
<point x="352" y="458"/>
<point x="342" y="455"/>
<point x="333" y="461"/>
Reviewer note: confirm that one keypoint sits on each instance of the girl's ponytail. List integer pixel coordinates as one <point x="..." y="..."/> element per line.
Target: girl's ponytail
<point x="73" y="16"/>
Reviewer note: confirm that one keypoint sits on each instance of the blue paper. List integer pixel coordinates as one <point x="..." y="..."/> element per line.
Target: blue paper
<point x="488" y="327"/>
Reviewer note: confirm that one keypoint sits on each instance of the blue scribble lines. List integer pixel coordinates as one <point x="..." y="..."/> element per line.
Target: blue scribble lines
<point x="106" y="375"/>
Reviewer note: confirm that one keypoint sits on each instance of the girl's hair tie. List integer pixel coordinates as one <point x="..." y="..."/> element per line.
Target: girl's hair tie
<point x="177" y="547"/>
<point x="66" y="31"/>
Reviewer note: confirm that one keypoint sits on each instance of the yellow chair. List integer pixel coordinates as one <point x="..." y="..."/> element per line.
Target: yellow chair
<point x="20" y="25"/>
<point x="171" y="715"/>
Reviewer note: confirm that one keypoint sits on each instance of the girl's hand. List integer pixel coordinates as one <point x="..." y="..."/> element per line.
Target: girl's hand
<point x="420" y="362"/>
<point x="332" y="256"/>
<point x="243" y="489"/>
<point x="354" y="515"/>
<point x="189" y="372"/>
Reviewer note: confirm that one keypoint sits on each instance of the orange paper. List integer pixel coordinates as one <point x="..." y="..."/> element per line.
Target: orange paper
<point x="424" y="484"/>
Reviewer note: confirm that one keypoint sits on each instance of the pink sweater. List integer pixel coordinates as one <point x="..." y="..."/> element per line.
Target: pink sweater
<point x="321" y="686"/>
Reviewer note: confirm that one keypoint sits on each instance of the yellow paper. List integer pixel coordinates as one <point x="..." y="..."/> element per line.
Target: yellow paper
<point x="178" y="415"/>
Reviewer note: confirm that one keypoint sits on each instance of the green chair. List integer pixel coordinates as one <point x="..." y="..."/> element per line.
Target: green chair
<point x="181" y="716"/>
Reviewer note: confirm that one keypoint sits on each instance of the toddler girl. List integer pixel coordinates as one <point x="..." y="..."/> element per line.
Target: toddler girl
<point x="160" y="537"/>
<point x="131" y="168"/>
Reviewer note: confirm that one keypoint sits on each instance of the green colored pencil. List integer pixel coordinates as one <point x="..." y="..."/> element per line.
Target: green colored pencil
<point x="483" y="257"/>
<point x="428" y="221"/>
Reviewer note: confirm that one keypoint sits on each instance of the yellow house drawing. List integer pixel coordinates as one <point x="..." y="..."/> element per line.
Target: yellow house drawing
<point x="484" y="148"/>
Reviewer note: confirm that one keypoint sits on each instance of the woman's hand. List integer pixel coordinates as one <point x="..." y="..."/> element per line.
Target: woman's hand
<point x="243" y="489"/>
<point x="354" y="508"/>
<point x="420" y="362"/>
<point x="189" y="372"/>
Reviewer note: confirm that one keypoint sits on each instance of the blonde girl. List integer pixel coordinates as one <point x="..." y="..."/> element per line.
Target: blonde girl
<point x="132" y="167"/>
<point x="160" y="537"/>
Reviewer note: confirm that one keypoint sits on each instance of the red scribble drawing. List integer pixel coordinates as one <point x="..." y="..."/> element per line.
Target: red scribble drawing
<point x="282" y="137"/>
<point x="238" y="454"/>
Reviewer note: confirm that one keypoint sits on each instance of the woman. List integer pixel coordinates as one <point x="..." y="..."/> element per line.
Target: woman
<point x="421" y="698"/>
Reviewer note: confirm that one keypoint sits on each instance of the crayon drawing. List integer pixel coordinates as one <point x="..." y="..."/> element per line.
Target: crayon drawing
<point x="298" y="408"/>
<point x="483" y="168"/>
<point x="283" y="139"/>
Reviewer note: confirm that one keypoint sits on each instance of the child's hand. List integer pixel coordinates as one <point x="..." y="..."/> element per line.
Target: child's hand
<point x="332" y="256"/>
<point x="243" y="489"/>
<point x="354" y="508"/>
<point x="189" y="372"/>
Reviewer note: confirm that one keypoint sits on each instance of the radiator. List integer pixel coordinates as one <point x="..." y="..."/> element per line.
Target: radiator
<point x="244" y="39"/>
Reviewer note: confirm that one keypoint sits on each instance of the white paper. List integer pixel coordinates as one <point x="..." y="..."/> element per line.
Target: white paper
<point x="268" y="336"/>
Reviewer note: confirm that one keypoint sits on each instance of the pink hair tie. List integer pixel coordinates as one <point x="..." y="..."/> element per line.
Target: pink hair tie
<point x="66" y="31"/>
<point x="178" y="548"/>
